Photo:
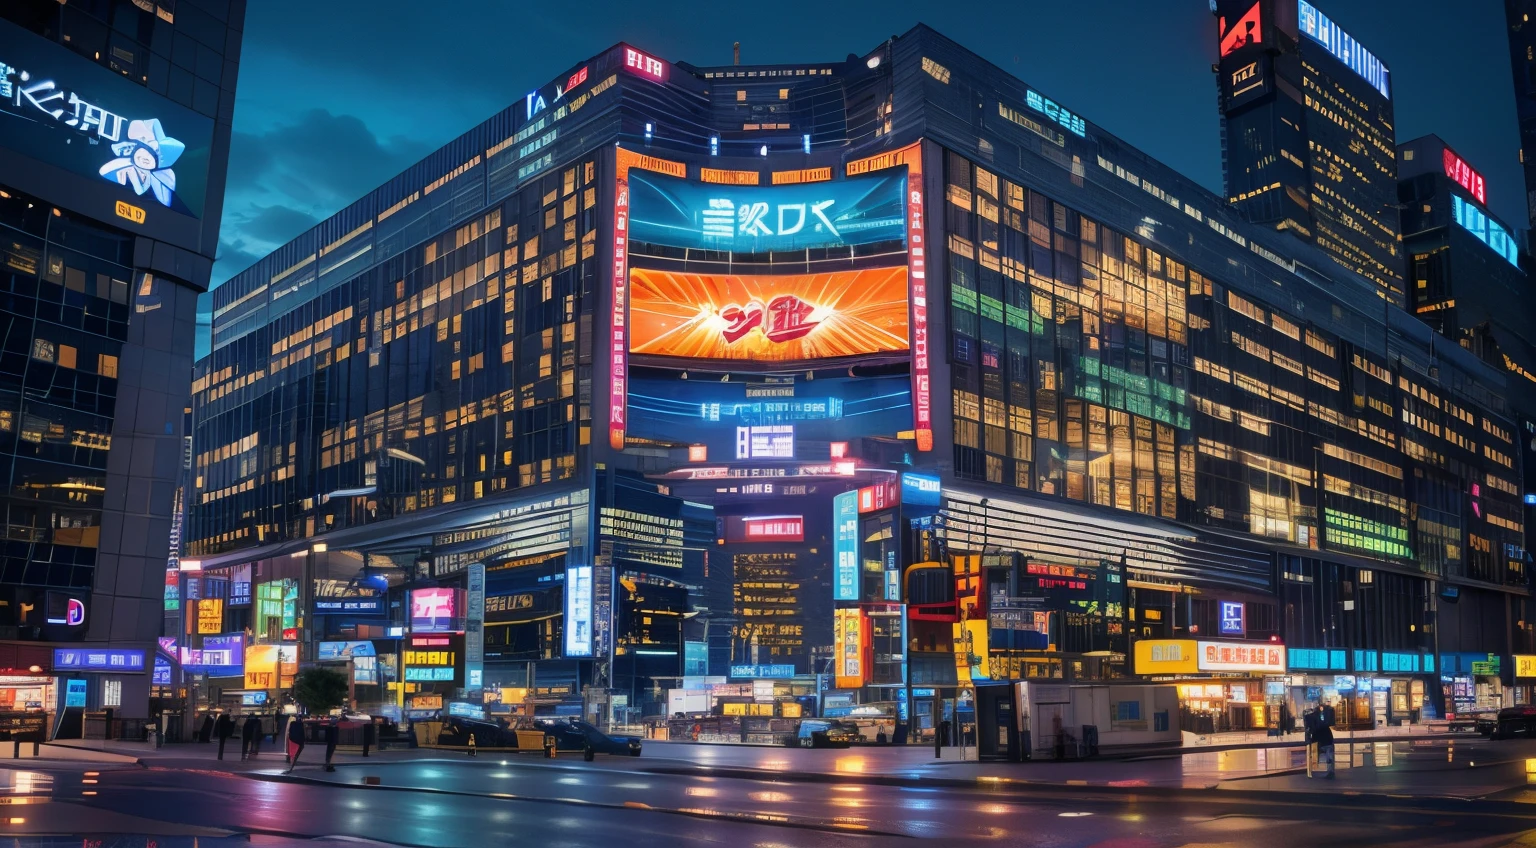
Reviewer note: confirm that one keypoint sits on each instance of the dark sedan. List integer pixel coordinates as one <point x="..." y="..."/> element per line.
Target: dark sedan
<point x="578" y="735"/>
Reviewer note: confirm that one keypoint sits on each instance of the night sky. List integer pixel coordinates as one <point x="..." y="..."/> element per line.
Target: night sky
<point x="337" y="96"/>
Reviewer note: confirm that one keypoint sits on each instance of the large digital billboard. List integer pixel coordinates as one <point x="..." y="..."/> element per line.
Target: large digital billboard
<point x="64" y="110"/>
<point x="756" y="219"/>
<point x="768" y="318"/>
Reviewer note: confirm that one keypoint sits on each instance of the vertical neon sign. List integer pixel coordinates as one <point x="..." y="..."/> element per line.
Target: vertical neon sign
<point x="618" y="333"/>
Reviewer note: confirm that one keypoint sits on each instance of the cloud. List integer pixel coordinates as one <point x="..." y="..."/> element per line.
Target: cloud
<point x="291" y="175"/>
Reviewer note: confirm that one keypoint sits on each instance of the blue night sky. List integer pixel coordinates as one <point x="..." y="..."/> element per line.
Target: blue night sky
<point x="337" y="96"/>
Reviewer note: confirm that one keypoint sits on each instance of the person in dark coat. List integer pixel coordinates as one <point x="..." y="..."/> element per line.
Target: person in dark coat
<point x="250" y="736"/>
<point x="206" y="731"/>
<point x="332" y="734"/>
<point x="295" y="742"/>
<point x="223" y="728"/>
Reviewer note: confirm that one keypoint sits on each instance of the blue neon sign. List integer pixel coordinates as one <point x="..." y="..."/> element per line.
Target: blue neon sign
<point x="1316" y="26"/>
<point x="1051" y="109"/>
<point x="1487" y="230"/>
<point x="845" y="546"/>
<point x="98" y="659"/>
<point x="920" y="490"/>
<point x="763" y="672"/>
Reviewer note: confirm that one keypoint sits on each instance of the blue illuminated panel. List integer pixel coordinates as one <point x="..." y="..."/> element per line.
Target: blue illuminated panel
<point x="1316" y="26"/>
<point x="845" y="546"/>
<point x="1487" y="230"/>
<point x="1051" y="109"/>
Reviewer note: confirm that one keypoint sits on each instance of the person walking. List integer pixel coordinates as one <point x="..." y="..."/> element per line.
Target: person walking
<point x="223" y="728"/>
<point x="250" y="737"/>
<point x="1322" y="737"/>
<point x="295" y="742"/>
<point x="205" y="732"/>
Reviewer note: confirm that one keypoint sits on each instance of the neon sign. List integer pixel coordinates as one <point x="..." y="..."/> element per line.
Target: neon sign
<point x="845" y="546"/>
<point x="1243" y="32"/>
<point x="534" y="103"/>
<point x="1457" y="169"/>
<point x="774" y="528"/>
<point x="1316" y="26"/>
<point x="646" y="66"/>
<point x="1487" y="230"/>
<point x="1055" y="112"/>
<point x="776" y="441"/>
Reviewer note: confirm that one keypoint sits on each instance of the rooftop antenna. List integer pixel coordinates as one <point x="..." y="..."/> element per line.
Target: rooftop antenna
<point x="736" y="53"/>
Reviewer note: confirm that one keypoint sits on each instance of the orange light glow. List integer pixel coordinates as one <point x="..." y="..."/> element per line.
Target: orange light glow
<point x="768" y="318"/>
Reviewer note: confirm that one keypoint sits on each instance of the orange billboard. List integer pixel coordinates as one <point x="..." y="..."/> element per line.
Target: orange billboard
<point x="768" y="318"/>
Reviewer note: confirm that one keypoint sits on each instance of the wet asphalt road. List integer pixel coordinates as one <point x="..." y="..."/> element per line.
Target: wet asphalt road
<point x="614" y="803"/>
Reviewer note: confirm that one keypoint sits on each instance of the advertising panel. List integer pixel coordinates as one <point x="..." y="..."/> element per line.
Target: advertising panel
<point x="474" y="627"/>
<point x="764" y="528"/>
<point x="261" y="666"/>
<point x="920" y="490"/>
<point x="1316" y="26"/>
<point x="755" y="219"/>
<point x="68" y="112"/>
<point x="98" y="659"/>
<point x="1234" y="618"/>
<point x="435" y="610"/>
<point x="578" y="611"/>
<point x="240" y="586"/>
<point x="1165" y="656"/>
<point x="220" y="656"/>
<point x="349" y="606"/>
<point x="1457" y="169"/>
<point x="769" y="318"/>
<point x="845" y="546"/>
<point x="1241" y="656"/>
<point x="848" y="650"/>
<point x="344" y="650"/>
<point x="1525" y="666"/>
<point x="210" y="615"/>
<point x="768" y="441"/>
<point x="432" y="659"/>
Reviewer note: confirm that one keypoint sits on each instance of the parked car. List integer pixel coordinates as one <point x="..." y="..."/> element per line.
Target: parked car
<point x="488" y="734"/>
<point x="824" y="733"/>
<point x="577" y="735"/>
<point x="1515" y="723"/>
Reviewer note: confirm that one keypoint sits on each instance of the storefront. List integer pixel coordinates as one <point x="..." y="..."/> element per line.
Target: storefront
<point x="1472" y="683"/>
<point x="1222" y="686"/>
<point x="1366" y="688"/>
<point x="1524" y="679"/>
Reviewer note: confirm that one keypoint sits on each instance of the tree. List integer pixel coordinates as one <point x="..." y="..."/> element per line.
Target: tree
<point x="320" y="690"/>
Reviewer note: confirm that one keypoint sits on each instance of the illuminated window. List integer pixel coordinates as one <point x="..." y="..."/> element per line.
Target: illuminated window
<point x="783" y="94"/>
<point x="741" y="95"/>
<point x="43" y="350"/>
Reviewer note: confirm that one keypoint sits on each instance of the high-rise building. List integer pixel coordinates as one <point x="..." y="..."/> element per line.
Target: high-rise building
<point x="1307" y="135"/>
<point x="1522" y="62"/>
<point x="893" y="370"/>
<point x="115" y="126"/>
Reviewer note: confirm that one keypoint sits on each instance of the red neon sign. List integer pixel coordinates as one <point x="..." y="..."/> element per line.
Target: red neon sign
<point x="1457" y="169"/>
<point x="778" y="528"/>
<point x="576" y="79"/>
<point x="649" y="67"/>
<point x="1245" y="31"/>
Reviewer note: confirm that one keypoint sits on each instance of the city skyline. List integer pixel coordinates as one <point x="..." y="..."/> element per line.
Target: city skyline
<point x="301" y="152"/>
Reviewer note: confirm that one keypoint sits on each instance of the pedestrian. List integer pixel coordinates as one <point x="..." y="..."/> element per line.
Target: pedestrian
<point x="1322" y="736"/>
<point x="697" y="729"/>
<point x="295" y="742"/>
<point x="223" y="728"/>
<point x="206" y="731"/>
<point x="472" y="744"/>
<point x="250" y="737"/>
<point x="332" y="732"/>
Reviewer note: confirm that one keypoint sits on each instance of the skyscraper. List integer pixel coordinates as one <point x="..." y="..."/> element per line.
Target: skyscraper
<point x="1308" y="140"/>
<point x="114" y="129"/>
<point x="1522" y="63"/>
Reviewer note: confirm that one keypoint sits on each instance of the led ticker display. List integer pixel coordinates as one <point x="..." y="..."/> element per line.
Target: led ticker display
<point x="750" y="219"/>
<point x="763" y="318"/>
<point x="774" y="441"/>
<point x="1316" y="26"/>
<point x="1487" y="230"/>
<point x="1242" y="32"/>
<point x="1457" y="169"/>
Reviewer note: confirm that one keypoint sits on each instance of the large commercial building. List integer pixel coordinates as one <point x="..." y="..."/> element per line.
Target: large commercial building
<point x="1522" y="62"/>
<point x="892" y="374"/>
<point x="114" y="127"/>
<point x="1308" y="140"/>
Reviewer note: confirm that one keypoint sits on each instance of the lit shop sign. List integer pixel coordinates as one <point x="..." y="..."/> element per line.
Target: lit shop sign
<point x="578" y="611"/>
<point x="845" y="546"/>
<point x="160" y="677"/>
<point x="240" y="586"/>
<point x="765" y="528"/>
<point x="535" y="102"/>
<point x="1457" y="169"/>
<point x="1525" y="666"/>
<point x="1239" y="656"/>
<point x="763" y="672"/>
<point x="683" y="213"/>
<point x="1316" y="26"/>
<point x="848" y="650"/>
<point x="1165" y="656"/>
<point x="769" y="318"/>
<point x="210" y="615"/>
<point x="879" y="496"/>
<point x="1234" y="618"/>
<point x="349" y="606"/>
<point x="800" y="409"/>
<point x="344" y="650"/>
<point x="1487" y="230"/>
<point x="434" y="610"/>
<point x="65" y="610"/>
<point x="1243" y="32"/>
<point x="429" y="665"/>
<point x="261" y="666"/>
<point x="68" y="112"/>
<point x="1055" y="112"/>
<point x="775" y="441"/>
<point x="114" y="659"/>
<point x="644" y="65"/>
<point x="920" y="490"/>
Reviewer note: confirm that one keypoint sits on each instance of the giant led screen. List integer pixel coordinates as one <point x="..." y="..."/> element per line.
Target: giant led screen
<point x="803" y="300"/>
